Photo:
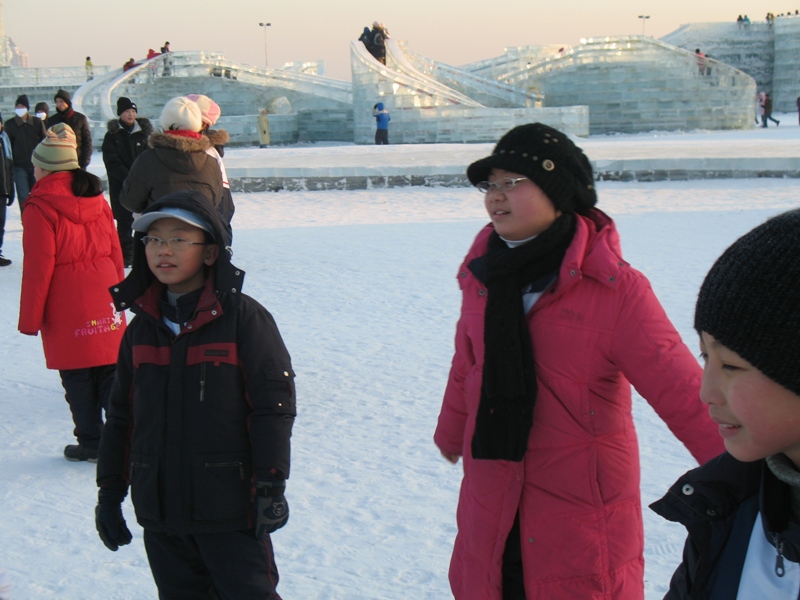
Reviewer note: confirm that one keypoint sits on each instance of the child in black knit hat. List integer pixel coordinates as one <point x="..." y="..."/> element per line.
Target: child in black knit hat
<point x="555" y="327"/>
<point x="742" y="509"/>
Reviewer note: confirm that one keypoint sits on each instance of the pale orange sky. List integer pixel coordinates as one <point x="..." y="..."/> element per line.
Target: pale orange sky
<point x="453" y="31"/>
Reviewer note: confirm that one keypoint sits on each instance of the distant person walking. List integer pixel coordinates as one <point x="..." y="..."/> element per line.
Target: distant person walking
<point x="167" y="60"/>
<point x="798" y="109"/>
<point x="766" y="114"/>
<point x="77" y="122"/>
<point x="89" y="68"/>
<point x="382" y="119"/>
<point x="263" y="129"/>
<point x="25" y="131"/>
<point x="701" y="60"/>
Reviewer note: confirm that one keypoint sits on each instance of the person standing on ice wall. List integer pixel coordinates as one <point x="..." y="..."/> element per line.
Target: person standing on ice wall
<point x="554" y="325"/>
<point x="742" y="509"/>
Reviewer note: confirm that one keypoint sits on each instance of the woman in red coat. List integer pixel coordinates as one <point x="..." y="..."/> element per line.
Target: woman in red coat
<point x="554" y="328"/>
<point x="71" y="257"/>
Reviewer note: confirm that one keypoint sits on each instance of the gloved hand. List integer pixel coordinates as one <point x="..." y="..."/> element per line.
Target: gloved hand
<point x="272" y="510"/>
<point x="109" y="520"/>
<point x="9" y="200"/>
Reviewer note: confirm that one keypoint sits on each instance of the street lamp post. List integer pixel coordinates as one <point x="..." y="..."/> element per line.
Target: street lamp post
<point x="644" y="20"/>
<point x="265" y="25"/>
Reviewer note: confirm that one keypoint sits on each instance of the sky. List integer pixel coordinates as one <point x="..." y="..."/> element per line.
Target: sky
<point x="452" y="31"/>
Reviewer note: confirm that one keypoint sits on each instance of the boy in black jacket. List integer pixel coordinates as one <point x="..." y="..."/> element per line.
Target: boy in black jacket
<point x="201" y="412"/>
<point x="742" y="509"/>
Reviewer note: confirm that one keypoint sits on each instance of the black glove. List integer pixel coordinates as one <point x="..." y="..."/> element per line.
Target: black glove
<point x="109" y="520"/>
<point x="9" y="200"/>
<point x="272" y="510"/>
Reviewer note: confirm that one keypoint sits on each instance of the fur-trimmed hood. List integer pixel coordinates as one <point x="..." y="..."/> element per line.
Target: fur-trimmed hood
<point x="145" y="126"/>
<point x="218" y="137"/>
<point x="161" y="140"/>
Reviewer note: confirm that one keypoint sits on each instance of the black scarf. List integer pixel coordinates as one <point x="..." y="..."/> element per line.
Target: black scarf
<point x="508" y="391"/>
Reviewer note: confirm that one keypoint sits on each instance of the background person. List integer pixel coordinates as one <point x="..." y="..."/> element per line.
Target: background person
<point x="125" y="139"/>
<point x="71" y="258"/>
<point x="25" y="132"/>
<point x="77" y="122"/>
<point x="6" y="187"/>
<point x="554" y="325"/>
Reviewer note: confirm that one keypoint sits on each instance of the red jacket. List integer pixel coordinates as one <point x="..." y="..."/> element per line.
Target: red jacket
<point x="71" y="257"/>
<point x="597" y="328"/>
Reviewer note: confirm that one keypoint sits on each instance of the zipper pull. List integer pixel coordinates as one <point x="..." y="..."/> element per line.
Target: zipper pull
<point x="780" y="571"/>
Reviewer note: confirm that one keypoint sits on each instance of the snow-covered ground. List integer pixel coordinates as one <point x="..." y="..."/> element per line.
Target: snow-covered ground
<point x="362" y="285"/>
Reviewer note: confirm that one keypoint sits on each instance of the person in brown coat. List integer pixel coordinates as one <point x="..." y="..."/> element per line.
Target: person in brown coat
<point x="177" y="160"/>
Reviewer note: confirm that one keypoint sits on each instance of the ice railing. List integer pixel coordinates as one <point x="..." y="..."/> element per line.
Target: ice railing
<point x="627" y="49"/>
<point x="470" y="84"/>
<point x="47" y="76"/>
<point x="214" y="64"/>
<point x="410" y="92"/>
<point x="513" y="59"/>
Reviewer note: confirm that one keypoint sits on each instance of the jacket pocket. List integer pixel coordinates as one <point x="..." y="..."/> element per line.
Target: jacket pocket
<point x="145" y="491"/>
<point x="279" y="385"/>
<point x="222" y="486"/>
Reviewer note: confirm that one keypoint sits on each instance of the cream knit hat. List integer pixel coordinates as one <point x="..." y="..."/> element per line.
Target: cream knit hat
<point x="58" y="151"/>
<point x="182" y="114"/>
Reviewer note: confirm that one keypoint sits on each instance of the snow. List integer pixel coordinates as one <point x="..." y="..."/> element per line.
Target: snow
<point x="362" y="285"/>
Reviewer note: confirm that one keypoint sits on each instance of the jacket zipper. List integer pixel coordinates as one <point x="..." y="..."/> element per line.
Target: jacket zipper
<point x="780" y="570"/>
<point x="202" y="382"/>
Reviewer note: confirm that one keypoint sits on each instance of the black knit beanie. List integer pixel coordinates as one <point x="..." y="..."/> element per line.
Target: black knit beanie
<point x="124" y="104"/>
<point x="23" y="100"/>
<point x="65" y="96"/>
<point x="549" y="159"/>
<point x="750" y="299"/>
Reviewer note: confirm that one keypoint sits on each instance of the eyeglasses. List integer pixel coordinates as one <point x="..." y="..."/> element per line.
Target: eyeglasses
<point x="151" y="241"/>
<point x="503" y="184"/>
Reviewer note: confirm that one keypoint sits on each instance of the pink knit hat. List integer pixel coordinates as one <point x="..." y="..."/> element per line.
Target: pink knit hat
<point x="208" y="108"/>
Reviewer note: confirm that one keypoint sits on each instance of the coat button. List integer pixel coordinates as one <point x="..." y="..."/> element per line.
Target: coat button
<point x="188" y="327"/>
<point x="286" y="373"/>
<point x="711" y="512"/>
<point x="481" y="292"/>
<point x="213" y="312"/>
<point x="462" y="274"/>
<point x="530" y="540"/>
<point x="687" y="490"/>
<point x="572" y="272"/>
<point x="116" y="289"/>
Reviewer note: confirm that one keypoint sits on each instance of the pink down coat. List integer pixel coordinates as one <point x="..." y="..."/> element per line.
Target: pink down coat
<point x="597" y="328"/>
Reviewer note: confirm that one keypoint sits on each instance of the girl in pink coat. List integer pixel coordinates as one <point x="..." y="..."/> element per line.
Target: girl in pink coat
<point x="554" y="328"/>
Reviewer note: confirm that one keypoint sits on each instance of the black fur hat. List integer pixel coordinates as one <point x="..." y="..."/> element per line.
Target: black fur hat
<point x="750" y="297"/>
<point x="549" y="159"/>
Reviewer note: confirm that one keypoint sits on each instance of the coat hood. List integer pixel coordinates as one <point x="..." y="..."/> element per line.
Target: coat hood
<point x="228" y="278"/>
<point x="55" y="191"/>
<point x="145" y="126"/>
<point x="180" y="154"/>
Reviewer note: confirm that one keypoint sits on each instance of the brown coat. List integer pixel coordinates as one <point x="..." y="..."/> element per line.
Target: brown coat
<point x="173" y="163"/>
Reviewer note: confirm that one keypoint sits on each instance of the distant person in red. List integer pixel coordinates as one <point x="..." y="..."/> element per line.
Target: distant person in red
<point x="152" y="53"/>
<point x="129" y="65"/>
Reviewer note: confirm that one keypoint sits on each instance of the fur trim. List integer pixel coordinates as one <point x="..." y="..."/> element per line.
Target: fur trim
<point x="147" y="127"/>
<point x="218" y="137"/>
<point x="174" y="142"/>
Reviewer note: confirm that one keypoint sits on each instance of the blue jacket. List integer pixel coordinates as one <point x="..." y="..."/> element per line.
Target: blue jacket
<point x="718" y="504"/>
<point x="381" y="115"/>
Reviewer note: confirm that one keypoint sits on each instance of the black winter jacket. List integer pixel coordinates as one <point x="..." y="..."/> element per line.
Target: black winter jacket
<point x="174" y="163"/>
<point x="25" y="135"/>
<point x="83" y="135"/>
<point x="196" y="419"/>
<point x="120" y="149"/>
<point x="718" y="504"/>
